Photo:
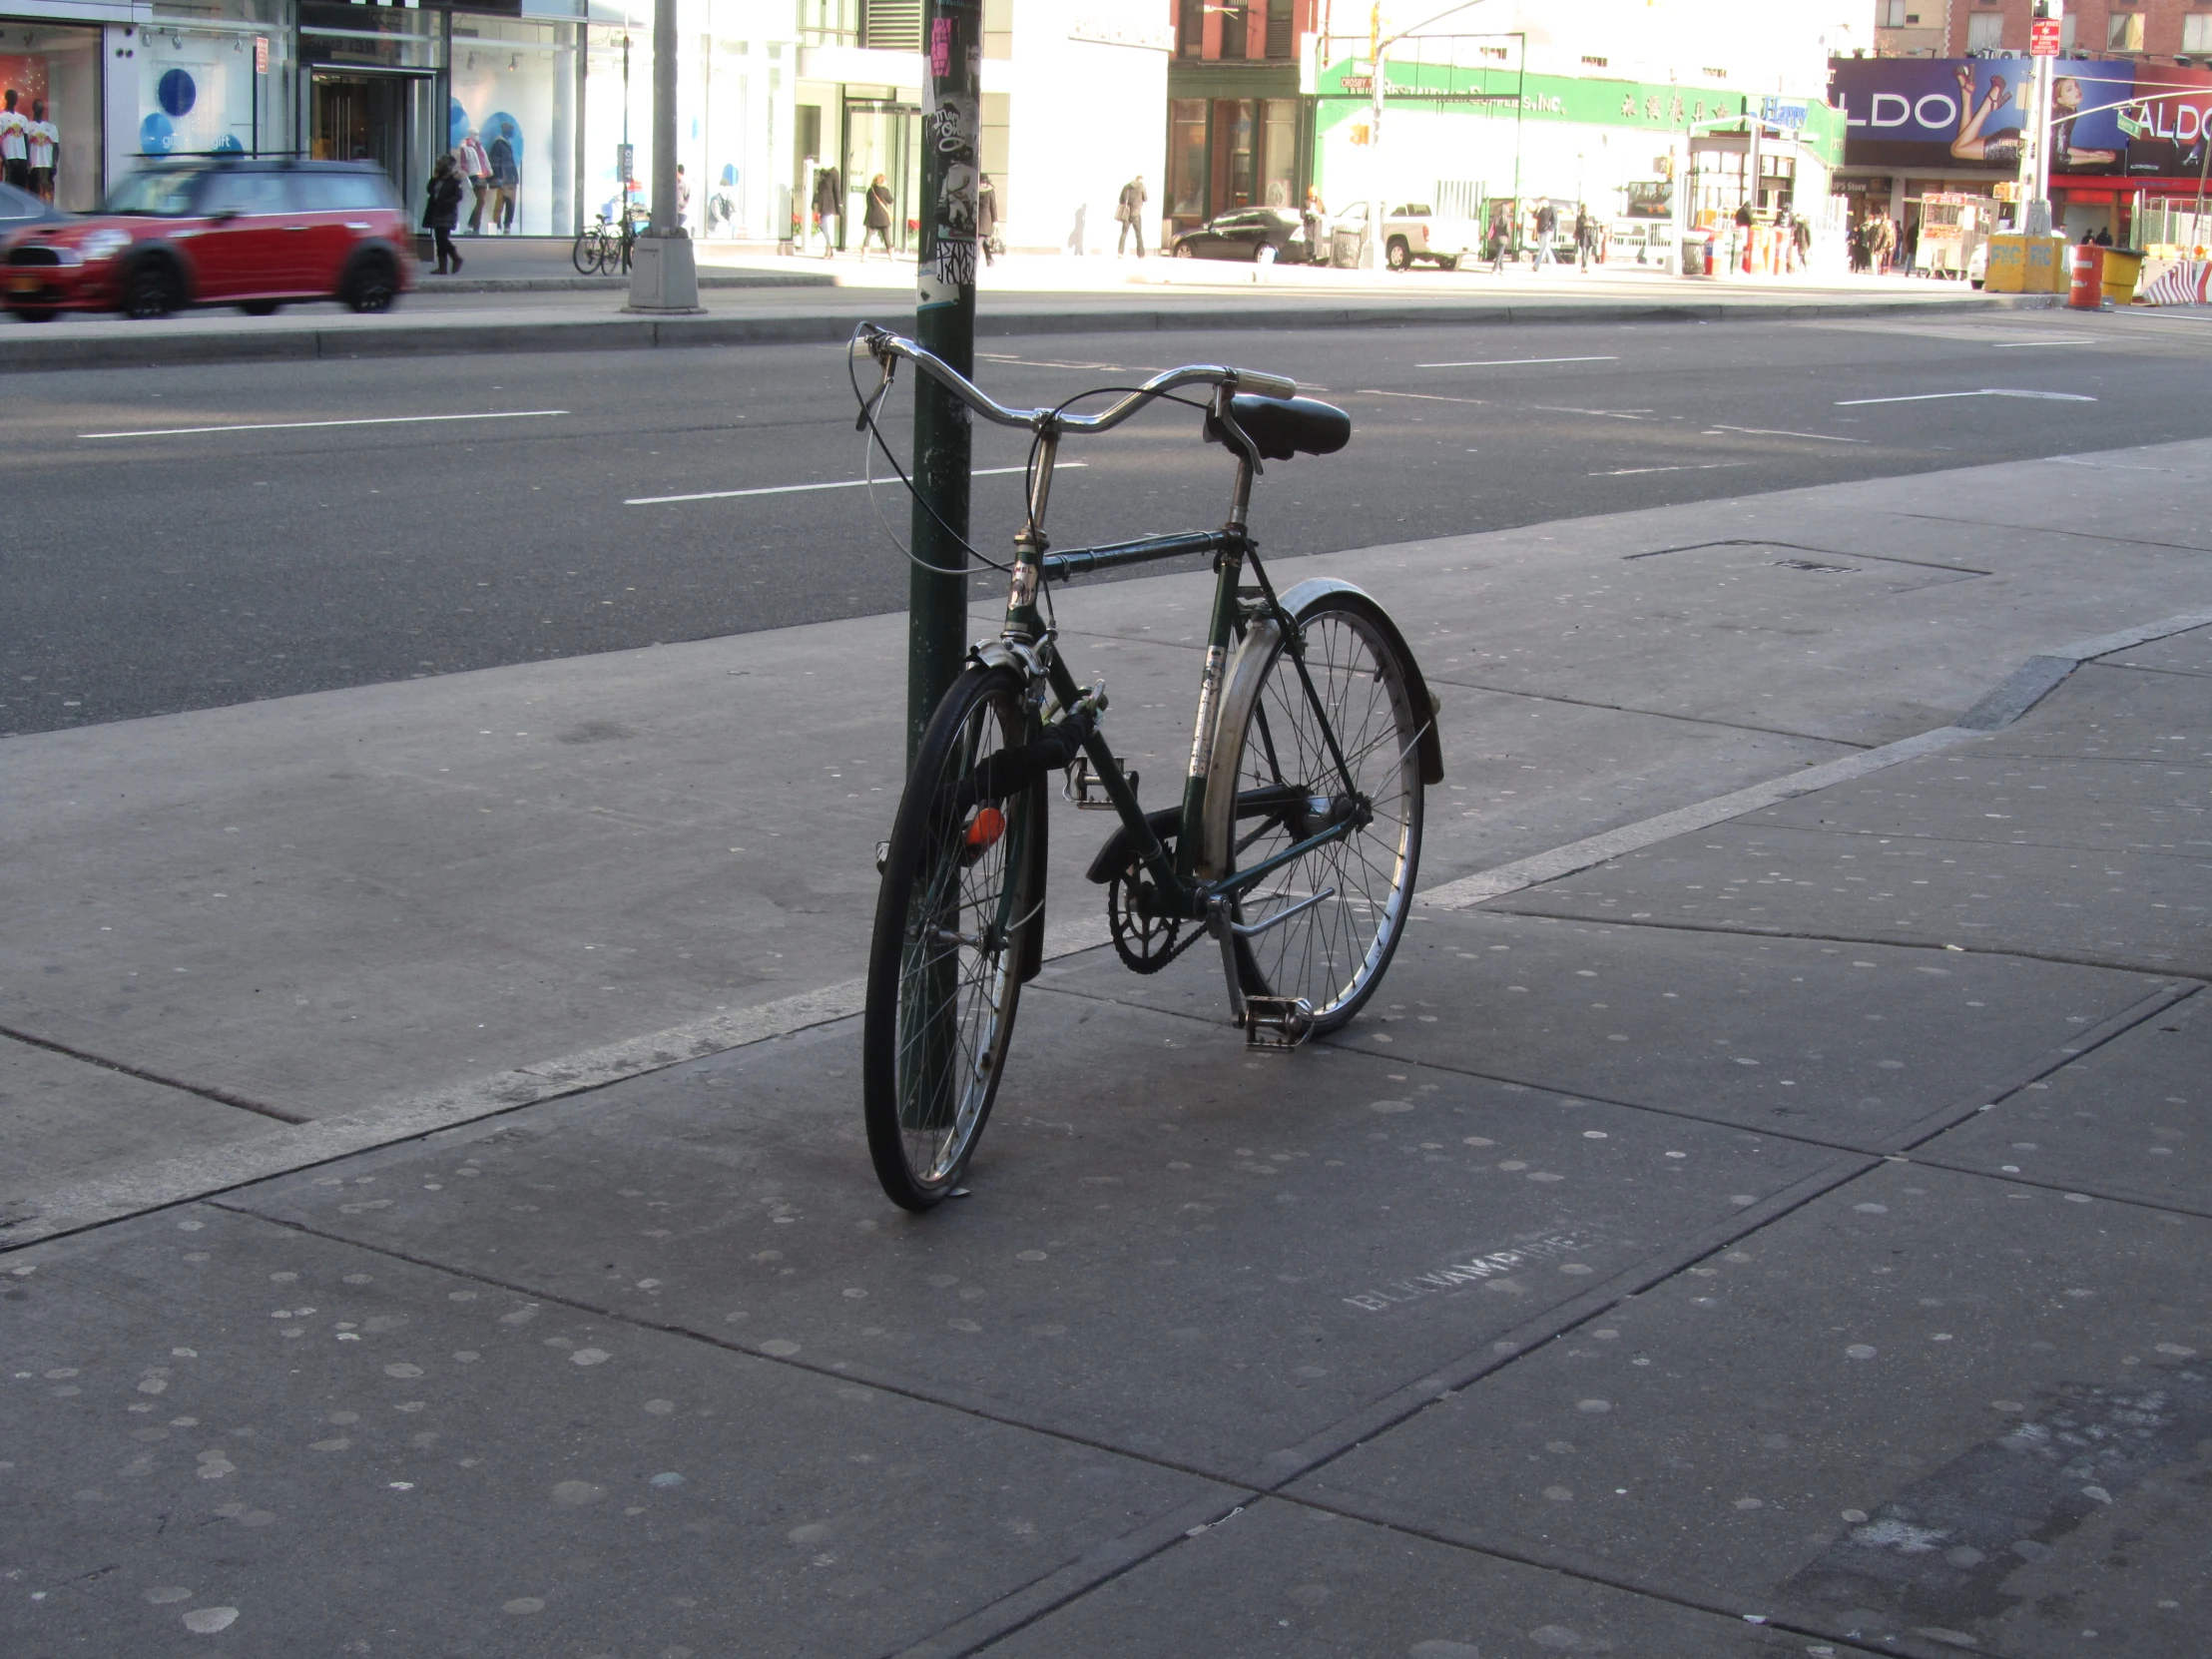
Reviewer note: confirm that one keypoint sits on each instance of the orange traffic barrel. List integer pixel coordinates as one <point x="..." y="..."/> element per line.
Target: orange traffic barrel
<point x="2085" y="277"/>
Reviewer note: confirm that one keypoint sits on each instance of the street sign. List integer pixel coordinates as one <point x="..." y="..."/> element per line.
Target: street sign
<point x="261" y="54"/>
<point x="625" y="160"/>
<point x="2043" y="37"/>
<point x="1777" y="112"/>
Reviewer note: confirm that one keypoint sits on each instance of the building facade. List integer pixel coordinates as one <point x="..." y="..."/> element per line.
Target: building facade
<point x="560" y="93"/>
<point x="2159" y="31"/>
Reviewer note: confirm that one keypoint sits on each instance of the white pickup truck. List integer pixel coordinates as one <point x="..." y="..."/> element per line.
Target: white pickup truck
<point x="1412" y="232"/>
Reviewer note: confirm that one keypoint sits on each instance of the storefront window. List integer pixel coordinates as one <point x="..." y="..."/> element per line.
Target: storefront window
<point x="513" y="86"/>
<point x="615" y="103"/>
<point x="202" y="86"/>
<point x="1278" y="153"/>
<point x="54" y="75"/>
<point x="1187" y="157"/>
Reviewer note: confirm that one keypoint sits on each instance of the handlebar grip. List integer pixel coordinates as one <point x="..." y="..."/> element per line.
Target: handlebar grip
<point x="1266" y="385"/>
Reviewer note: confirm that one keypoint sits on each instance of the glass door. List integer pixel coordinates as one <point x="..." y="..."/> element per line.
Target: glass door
<point x="882" y="137"/>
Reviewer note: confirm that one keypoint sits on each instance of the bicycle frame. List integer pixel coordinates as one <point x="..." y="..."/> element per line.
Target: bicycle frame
<point x="1025" y="641"/>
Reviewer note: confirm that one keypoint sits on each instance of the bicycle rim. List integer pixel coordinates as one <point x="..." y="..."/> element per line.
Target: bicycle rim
<point x="1333" y="952"/>
<point x="944" y="972"/>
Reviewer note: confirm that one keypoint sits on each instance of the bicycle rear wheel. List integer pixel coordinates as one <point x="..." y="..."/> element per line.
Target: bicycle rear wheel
<point x="944" y="966"/>
<point x="585" y="254"/>
<point x="1273" y="781"/>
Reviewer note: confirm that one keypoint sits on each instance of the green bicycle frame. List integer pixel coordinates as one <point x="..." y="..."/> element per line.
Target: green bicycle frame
<point x="1029" y="640"/>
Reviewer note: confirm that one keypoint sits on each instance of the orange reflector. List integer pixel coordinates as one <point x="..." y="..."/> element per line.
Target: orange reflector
<point x="985" y="830"/>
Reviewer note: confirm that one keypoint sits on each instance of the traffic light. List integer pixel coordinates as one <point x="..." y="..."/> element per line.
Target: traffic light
<point x="2048" y="11"/>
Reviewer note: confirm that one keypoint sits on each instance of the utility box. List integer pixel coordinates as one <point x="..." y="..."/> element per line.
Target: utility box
<point x="664" y="276"/>
<point x="2008" y="269"/>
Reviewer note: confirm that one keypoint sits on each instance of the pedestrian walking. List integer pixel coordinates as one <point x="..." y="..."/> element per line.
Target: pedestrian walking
<point x="987" y="219"/>
<point x="1585" y="234"/>
<point x="1315" y="215"/>
<point x="1498" y="238"/>
<point x="828" y="198"/>
<point x="1801" y="239"/>
<point x="474" y="165"/>
<point x="877" y="222"/>
<point x="1547" y="227"/>
<point x="683" y="197"/>
<point x="441" y="211"/>
<point x="1129" y="211"/>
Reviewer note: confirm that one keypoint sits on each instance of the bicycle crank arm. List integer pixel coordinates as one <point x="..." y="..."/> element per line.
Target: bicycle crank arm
<point x="1245" y="931"/>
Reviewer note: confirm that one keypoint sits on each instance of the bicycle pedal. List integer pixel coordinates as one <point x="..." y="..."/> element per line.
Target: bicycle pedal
<point x="1276" y="1021"/>
<point x="1086" y="790"/>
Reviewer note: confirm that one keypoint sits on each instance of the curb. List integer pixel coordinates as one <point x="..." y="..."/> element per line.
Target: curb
<point x="620" y="284"/>
<point x="126" y="348"/>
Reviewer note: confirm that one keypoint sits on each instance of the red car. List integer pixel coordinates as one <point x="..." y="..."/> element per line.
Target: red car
<point x="251" y="233"/>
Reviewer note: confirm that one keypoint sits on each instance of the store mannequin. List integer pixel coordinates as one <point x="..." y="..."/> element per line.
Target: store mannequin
<point x="46" y="141"/>
<point x="15" y="142"/>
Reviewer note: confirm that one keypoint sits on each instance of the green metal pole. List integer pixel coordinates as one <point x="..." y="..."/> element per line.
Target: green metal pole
<point x="944" y="322"/>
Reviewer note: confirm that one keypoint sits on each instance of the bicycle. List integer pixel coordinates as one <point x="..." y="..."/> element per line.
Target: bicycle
<point x="602" y="247"/>
<point x="1293" y="846"/>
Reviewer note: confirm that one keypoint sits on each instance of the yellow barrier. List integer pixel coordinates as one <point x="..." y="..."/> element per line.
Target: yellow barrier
<point x="2046" y="265"/>
<point x="2007" y="268"/>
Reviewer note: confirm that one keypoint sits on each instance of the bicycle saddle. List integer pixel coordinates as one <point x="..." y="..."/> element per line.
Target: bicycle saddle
<point x="1281" y="427"/>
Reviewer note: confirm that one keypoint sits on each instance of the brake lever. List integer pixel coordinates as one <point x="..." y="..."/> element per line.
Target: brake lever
<point x="890" y="365"/>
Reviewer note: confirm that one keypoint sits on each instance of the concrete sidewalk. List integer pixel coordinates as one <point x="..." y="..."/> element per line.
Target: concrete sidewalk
<point x="1566" y="1305"/>
<point x="758" y="300"/>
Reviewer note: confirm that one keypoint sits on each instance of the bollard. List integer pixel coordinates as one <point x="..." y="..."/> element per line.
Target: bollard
<point x="944" y="322"/>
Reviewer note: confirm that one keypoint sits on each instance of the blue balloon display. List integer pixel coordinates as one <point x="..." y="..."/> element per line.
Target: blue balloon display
<point x="229" y="145"/>
<point x="457" y="122"/>
<point x="177" y="92"/>
<point x="156" y="135"/>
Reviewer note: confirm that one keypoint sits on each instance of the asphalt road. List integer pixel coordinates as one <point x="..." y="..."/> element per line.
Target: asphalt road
<point x="182" y="538"/>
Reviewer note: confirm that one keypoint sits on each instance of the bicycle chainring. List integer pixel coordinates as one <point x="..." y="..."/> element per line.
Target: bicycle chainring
<point x="1144" y="939"/>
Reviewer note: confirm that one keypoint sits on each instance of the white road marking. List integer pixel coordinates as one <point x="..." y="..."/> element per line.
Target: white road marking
<point x="1986" y="391"/>
<point x="837" y="484"/>
<point x="1687" y="466"/>
<point x="2016" y="344"/>
<point x="1778" y="433"/>
<point x="1425" y="397"/>
<point x="305" y="425"/>
<point x="1609" y="415"/>
<point x="1514" y="363"/>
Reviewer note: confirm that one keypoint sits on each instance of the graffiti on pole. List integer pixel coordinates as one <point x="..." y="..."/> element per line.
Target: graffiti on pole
<point x="951" y="129"/>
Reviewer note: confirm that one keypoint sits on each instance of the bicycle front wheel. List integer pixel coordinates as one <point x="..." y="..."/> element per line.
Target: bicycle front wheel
<point x="585" y="254"/>
<point x="944" y="967"/>
<point x="1274" y="782"/>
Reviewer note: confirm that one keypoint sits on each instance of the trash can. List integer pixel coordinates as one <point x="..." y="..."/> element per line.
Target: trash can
<point x="2123" y="267"/>
<point x="1697" y="254"/>
<point x="2085" y="277"/>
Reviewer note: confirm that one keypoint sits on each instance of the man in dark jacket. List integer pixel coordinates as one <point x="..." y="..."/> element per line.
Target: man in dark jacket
<point x="828" y="200"/>
<point x="1129" y="211"/>
<point x="1547" y="227"/>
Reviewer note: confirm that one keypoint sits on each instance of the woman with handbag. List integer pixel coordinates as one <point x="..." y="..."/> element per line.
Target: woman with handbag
<point x="442" y="212"/>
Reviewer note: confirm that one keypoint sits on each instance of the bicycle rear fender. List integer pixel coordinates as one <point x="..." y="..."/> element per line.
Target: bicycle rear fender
<point x="1242" y="686"/>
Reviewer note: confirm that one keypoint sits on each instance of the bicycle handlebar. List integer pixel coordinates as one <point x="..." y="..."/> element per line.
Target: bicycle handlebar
<point x="883" y="346"/>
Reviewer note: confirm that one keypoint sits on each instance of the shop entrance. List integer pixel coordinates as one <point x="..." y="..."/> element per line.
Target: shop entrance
<point x="882" y="137"/>
<point x="356" y="117"/>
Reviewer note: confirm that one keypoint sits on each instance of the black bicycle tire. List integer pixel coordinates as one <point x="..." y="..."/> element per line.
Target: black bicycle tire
<point x="585" y="254"/>
<point x="916" y="856"/>
<point x="1402" y="677"/>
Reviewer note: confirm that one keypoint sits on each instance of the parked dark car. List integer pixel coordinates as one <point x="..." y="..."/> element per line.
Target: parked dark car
<point x="1262" y="234"/>
<point x="20" y="210"/>
<point x="247" y="232"/>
